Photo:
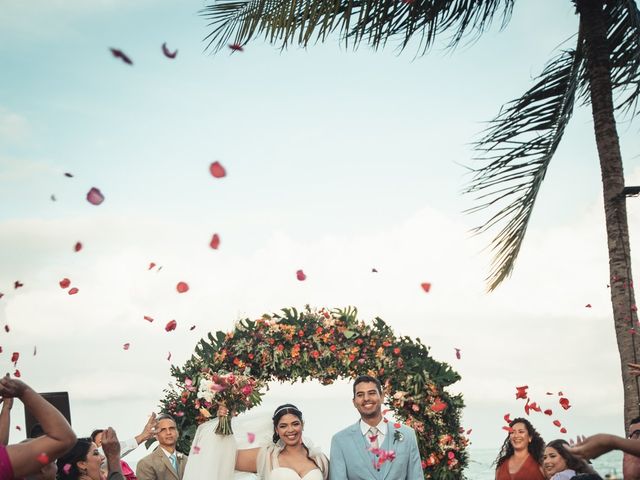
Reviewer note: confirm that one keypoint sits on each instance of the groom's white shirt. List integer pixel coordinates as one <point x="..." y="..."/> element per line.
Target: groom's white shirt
<point x="382" y="431"/>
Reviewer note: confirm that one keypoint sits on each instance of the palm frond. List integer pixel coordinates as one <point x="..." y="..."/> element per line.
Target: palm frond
<point x="623" y="36"/>
<point x="517" y="148"/>
<point x="374" y="21"/>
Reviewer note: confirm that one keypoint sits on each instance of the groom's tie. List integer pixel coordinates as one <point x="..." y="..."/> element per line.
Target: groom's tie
<point x="373" y="437"/>
<point x="174" y="461"/>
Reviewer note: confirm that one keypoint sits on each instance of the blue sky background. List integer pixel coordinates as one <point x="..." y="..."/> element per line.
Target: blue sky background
<point x="338" y="162"/>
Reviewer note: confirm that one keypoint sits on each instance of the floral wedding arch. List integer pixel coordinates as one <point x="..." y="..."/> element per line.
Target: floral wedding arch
<point x="328" y="345"/>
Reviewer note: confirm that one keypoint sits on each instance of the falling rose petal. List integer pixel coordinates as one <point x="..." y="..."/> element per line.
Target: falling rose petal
<point x="557" y="423"/>
<point x="17" y="374"/>
<point x="251" y="437"/>
<point x="171" y="325"/>
<point x="195" y="450"/>
<point x="19" y="428"/>
<point x="14" y="358"/>
<point x="121" y="55"/>
<point x="66" y="468"/>
<point x="182" y="287"/>
<point x="167" y="52"/>
<point x="507" y="418"/>
<point x="564" y="403"/>
<point x="300" y="275"/>
<point x="588" y="305"/>
<point x="550" y="393"/>
<point x="64" y="283"/>
<point x="457" y="353"/>
<point x="6" y="328"/>
<point x="521" y="392"/>
<point x="193" y="327"/>
<point x="68" y="175"/>
<point x="17" y="284"/>
<point x="43" y="458"/>
<point x="508" y="429"/>
<point x="73" y="291"/>
<point x="1" y="295"/>
<point x="169" y="357"/>
<point x="77" y="247"/>
<point x="148" y="319"/>
<point x="560" y="394"/>
<point x="151" y="265"/>
<point x="426" y="286"/>
<point x="0" y="349"/>
<point x="126" y="346"/>
<point x="236" y="47"/>
<point x="217" y="170"/>
<point x="534" y="406"/>
<point x="469" y="431"/>
<point x="526" y="407"/>
<point x="215" y="241"/>
<point x="35" y="350"/>
<point x="563" y="430"/>
<point x="53" y="198"/>
<point x="95" y="197"/>
<point x="548" y="411"/>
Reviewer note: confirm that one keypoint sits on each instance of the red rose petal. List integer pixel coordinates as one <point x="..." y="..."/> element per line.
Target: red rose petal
<point x="300" y="275"/>
<point x="563" y="430"/>
<point x="469" y="431"/>
<point x="171" y="325"/>
<point x="151" y="265"/>
<point x="426" y="286"/>
<point x="373" y="270"/>
<point x="182" y="287"/>
<point x="64" y="283"/>
<point x="548" y="411"/>
<point x="236" y="47"/>
<point x="193" y="327"/>
<point x="588" y="305"/>
<point x="17" y="284"/>
<point x="457" y="353"/>
<point x="521" y="392"/>
<point x="73" y="291"/>
<point x="215" y="241"/>
<point x="126" y="346"/>
<point x="19" y="428"/>
<point x="43" y="458"/>
<point x="217" y="170"/>
<point x="6" y="328"/>
<point x="564" y="402"/>
<point x="557" y="423"/>
<point x="17" y="374"/>
<point x="167" y="52"/>
<point x="77" y="247"/>
<point x="1" y="295"/>
<point x="148" y="319"/>
<point x="68" y="175"/>
<point x="508" y="429"/>
<point x="507" y="418"/>
<point x="95" y="197"/>
<point x="169" y="357"/>
<point x="195" y="450"/>
<point x="14" y="358"/>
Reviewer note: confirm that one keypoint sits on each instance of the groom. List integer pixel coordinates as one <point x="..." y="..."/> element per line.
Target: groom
<point x="352" y="449"/>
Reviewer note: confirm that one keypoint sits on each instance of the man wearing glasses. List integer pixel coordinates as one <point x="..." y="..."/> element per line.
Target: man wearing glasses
<point x="631" y="463"/>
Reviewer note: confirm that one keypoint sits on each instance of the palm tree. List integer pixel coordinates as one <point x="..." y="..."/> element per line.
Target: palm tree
<point x="516" y="149"/>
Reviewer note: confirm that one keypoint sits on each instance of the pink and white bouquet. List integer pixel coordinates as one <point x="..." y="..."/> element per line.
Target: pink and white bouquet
<point x="237" y="393"/>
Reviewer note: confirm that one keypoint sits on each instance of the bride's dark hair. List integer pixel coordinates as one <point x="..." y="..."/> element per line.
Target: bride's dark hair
<point x="281" y="411"/>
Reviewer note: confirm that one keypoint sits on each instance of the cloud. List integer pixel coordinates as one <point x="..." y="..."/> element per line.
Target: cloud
<point x="14" y="128"/>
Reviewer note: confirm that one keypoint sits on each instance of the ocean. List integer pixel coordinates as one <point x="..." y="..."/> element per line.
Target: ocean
<point x="481" y="460"/>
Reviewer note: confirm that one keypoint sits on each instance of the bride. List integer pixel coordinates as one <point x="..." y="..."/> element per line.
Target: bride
<point x="283" y="457"/>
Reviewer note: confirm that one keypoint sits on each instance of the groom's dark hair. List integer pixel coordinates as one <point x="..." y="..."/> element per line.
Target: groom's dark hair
<point x="367" y="379"/>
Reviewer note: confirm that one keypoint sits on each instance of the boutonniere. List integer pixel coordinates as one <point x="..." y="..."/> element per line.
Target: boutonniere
<point x="398" y="436"/>
<point x="179" y="455"/>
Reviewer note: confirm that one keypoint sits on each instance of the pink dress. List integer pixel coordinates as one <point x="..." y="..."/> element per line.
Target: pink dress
<point x="6" y="470"/>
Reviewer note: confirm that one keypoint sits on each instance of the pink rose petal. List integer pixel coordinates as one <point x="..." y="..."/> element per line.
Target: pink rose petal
<point x="95" y="197"/>
<point x="217" y="170"/>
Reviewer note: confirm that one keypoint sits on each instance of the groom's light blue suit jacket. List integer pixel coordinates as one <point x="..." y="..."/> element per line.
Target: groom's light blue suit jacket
<point x="351" y="459"/>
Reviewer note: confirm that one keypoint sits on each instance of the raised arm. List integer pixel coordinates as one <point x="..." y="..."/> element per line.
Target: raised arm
<point x="58" y="437"/>
<point x="5" y="420"/>
<point x="111" y="448"/>
<point x="601" y="443"/>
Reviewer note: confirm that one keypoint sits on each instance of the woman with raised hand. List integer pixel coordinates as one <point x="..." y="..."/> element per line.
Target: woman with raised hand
<point x="83" y="461"/>
<point x="27" y="458"/>
<point x="284" y="457"/>
<point x="520" y="457"/>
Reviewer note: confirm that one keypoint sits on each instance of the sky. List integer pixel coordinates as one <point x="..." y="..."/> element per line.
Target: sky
<point x="338" y="162"/>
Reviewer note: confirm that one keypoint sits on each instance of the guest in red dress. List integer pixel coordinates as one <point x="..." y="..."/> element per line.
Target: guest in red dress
<point x="521" y="455"/>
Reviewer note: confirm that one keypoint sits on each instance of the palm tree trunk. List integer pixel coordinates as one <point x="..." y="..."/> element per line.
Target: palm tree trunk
<point x="593" y="24"/>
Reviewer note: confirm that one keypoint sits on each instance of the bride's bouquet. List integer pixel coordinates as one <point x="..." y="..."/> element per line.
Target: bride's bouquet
<point x="236" y="392"/>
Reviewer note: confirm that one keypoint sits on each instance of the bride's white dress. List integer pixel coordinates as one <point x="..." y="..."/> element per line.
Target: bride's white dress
<point x="212" y="456"/>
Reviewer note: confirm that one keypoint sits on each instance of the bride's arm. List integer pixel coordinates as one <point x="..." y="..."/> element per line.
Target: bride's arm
<point x="247" y="460"/>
